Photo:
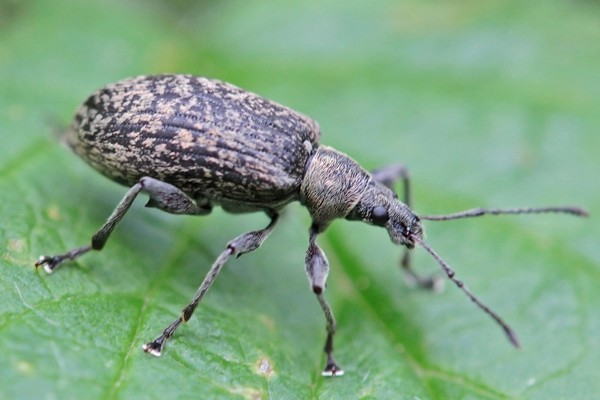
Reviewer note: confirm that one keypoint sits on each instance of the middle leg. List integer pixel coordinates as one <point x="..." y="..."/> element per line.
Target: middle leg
<point x="242" y="244"/>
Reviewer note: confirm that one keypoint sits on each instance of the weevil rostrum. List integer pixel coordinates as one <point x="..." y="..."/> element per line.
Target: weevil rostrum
<point x="193" y="143"/>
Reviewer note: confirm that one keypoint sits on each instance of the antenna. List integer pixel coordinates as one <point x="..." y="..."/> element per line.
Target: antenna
<point x="510" y="333"/>
<point x="478" y="212"/>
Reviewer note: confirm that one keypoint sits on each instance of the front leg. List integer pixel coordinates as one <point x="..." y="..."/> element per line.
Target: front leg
<point x="317" y="269"/>
<point x="388" y="176"/>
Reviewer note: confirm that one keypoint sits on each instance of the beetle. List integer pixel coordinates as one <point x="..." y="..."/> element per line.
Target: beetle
<point x="192" y="143"/>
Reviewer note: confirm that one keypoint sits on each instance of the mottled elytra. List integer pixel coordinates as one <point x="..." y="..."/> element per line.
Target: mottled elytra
<point x="192" y="143"/>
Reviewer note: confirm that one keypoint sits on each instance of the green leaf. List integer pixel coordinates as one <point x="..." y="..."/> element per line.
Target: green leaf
<point x="488" y="103"/>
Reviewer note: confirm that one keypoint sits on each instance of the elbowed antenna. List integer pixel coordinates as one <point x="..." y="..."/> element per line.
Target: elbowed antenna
<point x="477" y="212"/>
<point x="510" y="333"/>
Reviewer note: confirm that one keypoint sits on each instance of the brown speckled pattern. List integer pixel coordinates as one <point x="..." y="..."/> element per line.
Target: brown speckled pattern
<point x="212" y="140"/>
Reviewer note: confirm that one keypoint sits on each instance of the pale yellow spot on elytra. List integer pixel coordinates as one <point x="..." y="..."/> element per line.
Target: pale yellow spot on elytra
<point x="185" y="138"/>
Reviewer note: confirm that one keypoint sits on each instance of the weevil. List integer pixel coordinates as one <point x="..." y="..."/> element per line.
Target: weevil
<point x="192" y="143"/>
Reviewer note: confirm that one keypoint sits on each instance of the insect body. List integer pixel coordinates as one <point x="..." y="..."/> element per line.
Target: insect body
<point x="192" y="143"/>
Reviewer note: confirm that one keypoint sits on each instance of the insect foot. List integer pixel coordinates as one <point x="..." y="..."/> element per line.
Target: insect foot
<point x="51" y="262"/>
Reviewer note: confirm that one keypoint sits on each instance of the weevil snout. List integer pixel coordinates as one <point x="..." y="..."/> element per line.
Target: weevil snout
<point x="380" y="206"/>
<point x="403" y="226"/>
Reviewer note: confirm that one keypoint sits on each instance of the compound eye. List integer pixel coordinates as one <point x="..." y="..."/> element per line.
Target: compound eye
<point x="379" y="215"/>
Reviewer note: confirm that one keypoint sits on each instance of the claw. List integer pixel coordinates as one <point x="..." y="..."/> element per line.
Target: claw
<point x="49" y="263"/>
<point x="155" y="347"/>
<point x="332" y="369"/>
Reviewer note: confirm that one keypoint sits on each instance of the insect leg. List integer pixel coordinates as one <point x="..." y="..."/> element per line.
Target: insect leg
<point x="388" y="176"/>
<point x="162" y="195"/>
<point x="317" y="269"/>
<point x="242" y="244"/>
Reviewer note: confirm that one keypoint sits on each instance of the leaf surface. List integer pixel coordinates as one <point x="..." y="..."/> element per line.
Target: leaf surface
<point x="488" y="103"/>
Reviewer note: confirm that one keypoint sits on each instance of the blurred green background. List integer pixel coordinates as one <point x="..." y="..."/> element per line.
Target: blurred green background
<point x="490" y="103"/>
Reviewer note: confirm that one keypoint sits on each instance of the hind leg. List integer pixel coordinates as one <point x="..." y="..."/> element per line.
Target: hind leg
<point x="162" y="195"/>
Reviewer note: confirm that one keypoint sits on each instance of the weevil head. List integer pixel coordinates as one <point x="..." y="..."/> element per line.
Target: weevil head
<point x="380" y="206"/>
<point x="335" y="186"/>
